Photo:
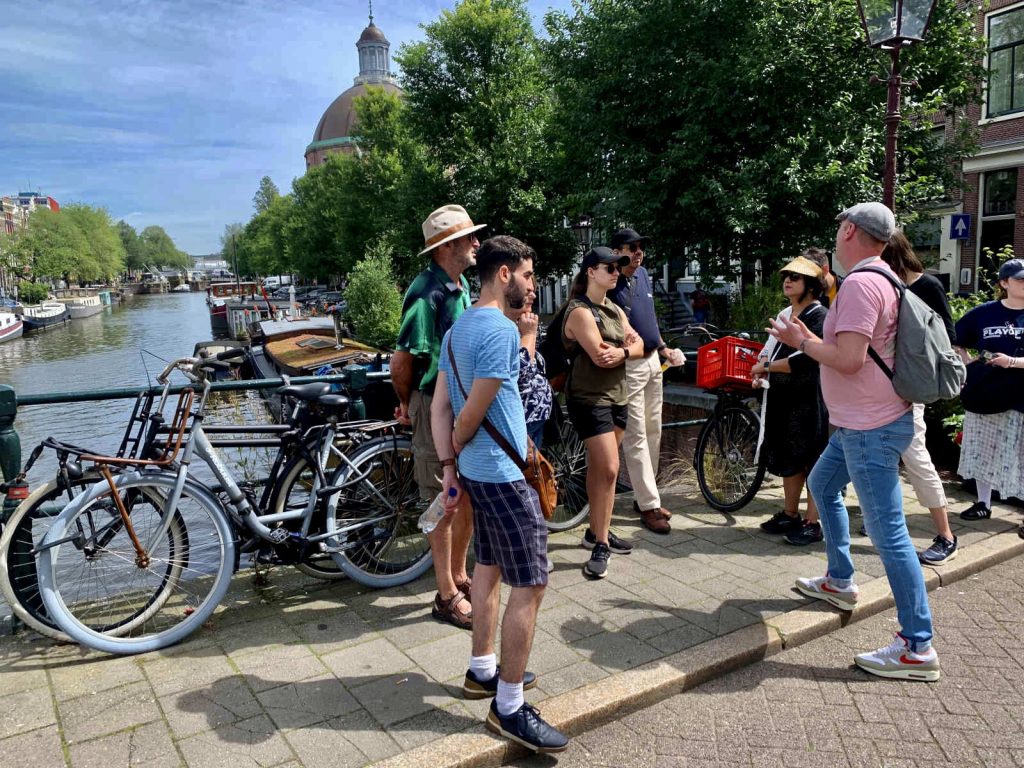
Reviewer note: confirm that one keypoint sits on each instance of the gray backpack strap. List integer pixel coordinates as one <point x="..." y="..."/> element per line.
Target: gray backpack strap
<point x="900" y="288"/>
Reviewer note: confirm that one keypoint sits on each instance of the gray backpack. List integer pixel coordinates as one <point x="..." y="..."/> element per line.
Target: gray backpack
<point x="925" y="367"/>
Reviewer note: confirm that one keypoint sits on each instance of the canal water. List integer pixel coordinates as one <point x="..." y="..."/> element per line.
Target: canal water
<point x="125" y="345"/>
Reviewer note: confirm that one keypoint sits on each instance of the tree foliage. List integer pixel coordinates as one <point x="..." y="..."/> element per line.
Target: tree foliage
<point x="374" y="301"/>
<point x="737" y="128"/>
<point x="159" y="251"/>
<point x="133" y="258"/>
<point x="265" y="195"/>
<point x="477" y="96"/>
<point x="104" y="250"/>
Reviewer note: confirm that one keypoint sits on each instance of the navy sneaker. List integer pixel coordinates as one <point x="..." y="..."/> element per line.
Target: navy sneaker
<point x="615" y="544"/>
<point x="780" y="522"/>
<point x="597" y="566"/>
<point x="475" y="688"/>
<point x="809" y="533"/>
<point x="941" y="551"/>
<point x="525" y="726"/>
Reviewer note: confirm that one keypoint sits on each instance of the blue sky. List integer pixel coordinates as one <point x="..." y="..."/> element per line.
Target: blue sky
<point x="169" y="112"/>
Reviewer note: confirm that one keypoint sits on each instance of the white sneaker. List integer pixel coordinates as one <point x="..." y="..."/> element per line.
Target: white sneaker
<point x="896" y="660"/>
<point x="823" y="588"/>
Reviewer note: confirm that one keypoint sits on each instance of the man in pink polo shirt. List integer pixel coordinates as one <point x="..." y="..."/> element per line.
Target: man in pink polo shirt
<point x="874" y="426"/>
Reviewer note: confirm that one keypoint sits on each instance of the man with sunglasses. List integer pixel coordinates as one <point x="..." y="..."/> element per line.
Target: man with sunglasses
<point x="641" y="444"/>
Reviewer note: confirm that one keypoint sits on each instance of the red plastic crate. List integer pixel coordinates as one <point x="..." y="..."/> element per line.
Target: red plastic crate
<point x="727" y="363"/>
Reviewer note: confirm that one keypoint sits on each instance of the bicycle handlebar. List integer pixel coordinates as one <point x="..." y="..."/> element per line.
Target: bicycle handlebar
<point x="230" y="354"/>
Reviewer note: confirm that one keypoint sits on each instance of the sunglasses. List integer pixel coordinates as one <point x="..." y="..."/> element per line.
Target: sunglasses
<point x="634" y="247"/>
<point x="792" y="276"/>
<point x="611" y="268"/>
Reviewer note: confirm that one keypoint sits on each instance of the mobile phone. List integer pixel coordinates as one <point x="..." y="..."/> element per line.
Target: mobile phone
<point x="986" y="355"/>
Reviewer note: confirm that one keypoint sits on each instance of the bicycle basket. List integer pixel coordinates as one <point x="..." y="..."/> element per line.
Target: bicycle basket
<point x="726" y="363"/>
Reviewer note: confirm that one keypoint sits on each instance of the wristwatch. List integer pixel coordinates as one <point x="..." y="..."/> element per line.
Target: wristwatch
<point x="447" y="463"/>
<point x="626" y="352"/>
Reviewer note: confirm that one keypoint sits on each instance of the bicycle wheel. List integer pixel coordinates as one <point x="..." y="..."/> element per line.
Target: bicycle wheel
<point x="568" y="456"/>
<point x="26" y="528"/>
<point x="724" y="459"/>
<point x="18" y="573"/>
<point x="292" y="493"/>
<point x="374" y="518"/>
<point x="95" y="578"/>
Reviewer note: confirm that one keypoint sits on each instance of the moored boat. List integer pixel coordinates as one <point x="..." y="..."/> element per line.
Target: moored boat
<point x="44" y="315"/>
<point x="10" y="326"/>
<point x="83" y="306"/>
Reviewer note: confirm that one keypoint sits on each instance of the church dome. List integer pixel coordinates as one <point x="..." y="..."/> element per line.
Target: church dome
<point x="334" y="131"/>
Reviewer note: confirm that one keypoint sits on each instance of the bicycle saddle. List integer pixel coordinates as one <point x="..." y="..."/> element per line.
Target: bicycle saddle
<point x="333" y="401"/>
<point x="310" y="391"/>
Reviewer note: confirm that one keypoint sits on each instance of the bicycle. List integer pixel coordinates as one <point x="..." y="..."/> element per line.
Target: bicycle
<point x="147" y="570"/>
<point x="727" y="474"/>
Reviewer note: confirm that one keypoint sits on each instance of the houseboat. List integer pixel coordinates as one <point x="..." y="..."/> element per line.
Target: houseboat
<point x="10" y="326"/>
<point x="217" y="297"/>
<point x="82" y="306"/>
<point x="38" y="317"/>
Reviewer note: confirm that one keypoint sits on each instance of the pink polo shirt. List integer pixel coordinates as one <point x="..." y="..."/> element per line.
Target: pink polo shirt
<point x="866" y="304"/>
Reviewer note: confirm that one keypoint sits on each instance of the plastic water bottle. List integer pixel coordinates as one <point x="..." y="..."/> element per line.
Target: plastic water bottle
<point x="432" y="516"/>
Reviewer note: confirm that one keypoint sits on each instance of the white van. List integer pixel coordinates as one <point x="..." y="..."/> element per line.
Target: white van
<point x="276" y="281"/>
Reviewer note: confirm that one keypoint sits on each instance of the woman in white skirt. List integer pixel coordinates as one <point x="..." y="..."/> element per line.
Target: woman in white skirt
<point x="992" y="452"/>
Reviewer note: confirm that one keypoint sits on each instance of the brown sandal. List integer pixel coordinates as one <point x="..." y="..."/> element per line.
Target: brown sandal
<point x="448" y="611"/>
<point x="466" y="588"/>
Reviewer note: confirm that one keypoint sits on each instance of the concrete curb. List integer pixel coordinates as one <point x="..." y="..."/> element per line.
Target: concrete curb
<point x="626" y="692"/>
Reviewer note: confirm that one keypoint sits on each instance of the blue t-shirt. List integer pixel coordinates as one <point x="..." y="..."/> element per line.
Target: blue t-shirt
<point x="636" y="297"/>
<point x="486" y="346"/>
<point x="992" y="327"/>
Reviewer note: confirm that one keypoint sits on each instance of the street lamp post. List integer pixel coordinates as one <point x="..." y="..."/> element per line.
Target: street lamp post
<point x="583" y="231"/>
<point x="891" y="25"/>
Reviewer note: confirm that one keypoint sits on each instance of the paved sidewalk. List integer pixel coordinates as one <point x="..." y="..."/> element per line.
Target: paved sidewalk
<point x="810" y="707"/>
<point x="302" y="673"/>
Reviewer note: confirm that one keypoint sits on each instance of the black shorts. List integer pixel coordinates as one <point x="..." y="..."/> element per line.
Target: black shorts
<point x="592" y="420"/>
<point x="510" y="531"/>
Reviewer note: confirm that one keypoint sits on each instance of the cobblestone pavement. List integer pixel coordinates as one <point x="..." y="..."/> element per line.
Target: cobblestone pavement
<point x="307" y="673"/>
<point x="808" y="706"/>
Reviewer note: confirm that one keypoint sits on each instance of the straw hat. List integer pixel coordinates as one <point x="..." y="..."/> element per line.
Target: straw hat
<point x="448" y="222"/>
<point x="803" y="266"/>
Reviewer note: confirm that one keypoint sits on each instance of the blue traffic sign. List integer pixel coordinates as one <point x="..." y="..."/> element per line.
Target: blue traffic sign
<point x="960" y="226"/>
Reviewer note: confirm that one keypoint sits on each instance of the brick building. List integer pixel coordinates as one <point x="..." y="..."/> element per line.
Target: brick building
<point x="993" y="193"/>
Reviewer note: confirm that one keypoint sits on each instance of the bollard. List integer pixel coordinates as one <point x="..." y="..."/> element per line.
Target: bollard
<point x="10" y="452"/>
<point x="357" y="382"/>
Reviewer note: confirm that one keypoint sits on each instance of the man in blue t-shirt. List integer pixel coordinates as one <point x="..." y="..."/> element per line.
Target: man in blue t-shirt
<point x="641" y="445"/>
<point x="511" y="535"/>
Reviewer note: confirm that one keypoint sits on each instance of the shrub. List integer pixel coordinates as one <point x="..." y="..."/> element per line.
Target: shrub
<point x="758" y="305"/>
<point x="374" y="303"/>
<point x="32" y="293"/>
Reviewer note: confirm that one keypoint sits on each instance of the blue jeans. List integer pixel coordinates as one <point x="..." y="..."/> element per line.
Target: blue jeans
<point x="535" y="431"/>
<point x="871" y="460"/>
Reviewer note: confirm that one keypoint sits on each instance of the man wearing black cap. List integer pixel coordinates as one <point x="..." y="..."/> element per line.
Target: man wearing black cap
<point x="641" y="444"/>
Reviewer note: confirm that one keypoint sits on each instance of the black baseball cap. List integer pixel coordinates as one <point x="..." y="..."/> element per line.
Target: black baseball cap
<point x="602" y="255"/>
<point x="627" y="236"/>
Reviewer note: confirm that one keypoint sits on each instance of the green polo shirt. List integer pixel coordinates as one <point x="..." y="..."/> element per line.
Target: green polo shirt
<point x="432" y="305"/>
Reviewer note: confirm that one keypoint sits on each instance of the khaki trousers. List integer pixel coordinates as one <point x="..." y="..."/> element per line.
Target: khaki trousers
<point x="920" y="470"/>
<point x="641" y="443"/>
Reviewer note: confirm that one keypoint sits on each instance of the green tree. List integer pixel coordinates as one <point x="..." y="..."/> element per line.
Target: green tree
<point x="133" y="260"/>
<point x="736" y="130"/>
<point x="265" y="195"/>
<point x="477" y="95"/>
<point x="374" y="301"/>
<point x="159" y="250"/>
<point x="264" y="248"/>
<point x="229" y="249"/>
<point x="104" y="256"/>
<point x="52" y="247"/>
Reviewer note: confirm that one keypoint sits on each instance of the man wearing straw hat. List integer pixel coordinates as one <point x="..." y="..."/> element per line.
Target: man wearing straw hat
<point x="436" y="298"/>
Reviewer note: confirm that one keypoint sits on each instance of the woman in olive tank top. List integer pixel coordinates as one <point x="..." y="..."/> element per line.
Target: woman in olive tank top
<point x="598" y="335"/>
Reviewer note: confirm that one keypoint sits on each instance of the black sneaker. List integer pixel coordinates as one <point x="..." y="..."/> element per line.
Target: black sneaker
<point x="525" y="726"/>
<point x="941" y="551"/>
<point x="977" y="511"/>
<point x="597" y="566"/>
<point x="615" y="544"/>
<point x="475" y="688"/>
<point x="780" y="522"/>
<point x="809" y="533"/>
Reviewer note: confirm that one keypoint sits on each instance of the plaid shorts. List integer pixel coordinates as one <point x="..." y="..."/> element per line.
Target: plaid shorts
<point x="510" y="531"/>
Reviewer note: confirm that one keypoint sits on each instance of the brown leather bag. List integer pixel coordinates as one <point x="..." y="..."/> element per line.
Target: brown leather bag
<point x="537" y="470"/>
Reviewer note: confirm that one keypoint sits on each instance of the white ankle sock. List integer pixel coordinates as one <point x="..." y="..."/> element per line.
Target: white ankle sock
<point x="985" y="494"/>
<point x="510" y="697"/>
<point x="483" y="667"/>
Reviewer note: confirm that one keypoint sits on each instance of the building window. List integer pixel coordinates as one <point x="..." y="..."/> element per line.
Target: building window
<point x="998" y="216"/>
<point x="1006" y="62"/>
